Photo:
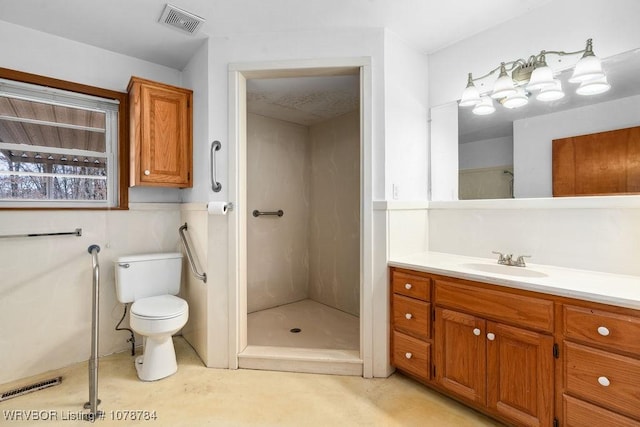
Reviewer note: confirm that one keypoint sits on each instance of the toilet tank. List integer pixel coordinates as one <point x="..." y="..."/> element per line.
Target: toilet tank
<point x="147" y="275"/>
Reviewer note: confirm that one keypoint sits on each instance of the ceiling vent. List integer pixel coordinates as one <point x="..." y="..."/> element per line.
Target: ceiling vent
<point x="179" y="19"/>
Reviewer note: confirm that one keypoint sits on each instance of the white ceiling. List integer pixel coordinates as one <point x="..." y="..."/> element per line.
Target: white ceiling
<point x="130" y="26"/>
<point x="303" y="100"/>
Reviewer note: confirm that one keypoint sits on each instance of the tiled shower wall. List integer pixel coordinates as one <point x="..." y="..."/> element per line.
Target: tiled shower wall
<point x="312" y="174"/>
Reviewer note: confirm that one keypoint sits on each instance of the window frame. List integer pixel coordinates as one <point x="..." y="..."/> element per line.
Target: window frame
<point x="123" y="133"/>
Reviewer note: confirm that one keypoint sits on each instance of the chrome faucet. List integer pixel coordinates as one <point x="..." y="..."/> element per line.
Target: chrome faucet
<point x="507" y="259"/>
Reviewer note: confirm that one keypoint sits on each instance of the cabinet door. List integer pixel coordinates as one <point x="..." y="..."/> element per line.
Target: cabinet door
<point x="520" y="374"/>
<point x="165" y="151"/>
<point x="460" y="354"/>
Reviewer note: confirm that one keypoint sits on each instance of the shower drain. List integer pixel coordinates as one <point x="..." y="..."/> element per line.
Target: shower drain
<point x="295" y="330"/>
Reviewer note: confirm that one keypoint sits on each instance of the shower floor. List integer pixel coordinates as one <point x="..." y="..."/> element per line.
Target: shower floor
<point x="321" y="327"/>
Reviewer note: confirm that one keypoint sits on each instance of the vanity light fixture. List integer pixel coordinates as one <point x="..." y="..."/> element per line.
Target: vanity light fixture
<point x="533" y="74"/>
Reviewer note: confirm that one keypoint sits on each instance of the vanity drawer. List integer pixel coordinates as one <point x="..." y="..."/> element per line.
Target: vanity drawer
<point x="578" y="413"/>
<point x="411" y="355"/>
<point x="619" y="332"/>
<point x="523" y="311"/>
<point x="412" y="316"/>
<point x="411" y="285"/>
<point x="609" y="379"/>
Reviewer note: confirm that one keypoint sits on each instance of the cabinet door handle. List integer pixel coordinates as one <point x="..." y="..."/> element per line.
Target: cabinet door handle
<point x="408" y="316"/>
<point x="147" y="172"/>
<point x="408" y="286"/>
<point x="604" y="381"/>
<point x="603" y="330"/>
<point x="476" y="332"/>
<point x="408" y="355"/>
<point x="491" y="336"/>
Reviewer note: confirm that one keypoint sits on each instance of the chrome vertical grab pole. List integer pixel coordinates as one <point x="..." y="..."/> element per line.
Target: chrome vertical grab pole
<point x="93" y="402"/>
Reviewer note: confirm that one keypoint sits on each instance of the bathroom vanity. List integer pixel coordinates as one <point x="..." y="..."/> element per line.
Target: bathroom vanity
<point x="529" y="346"/>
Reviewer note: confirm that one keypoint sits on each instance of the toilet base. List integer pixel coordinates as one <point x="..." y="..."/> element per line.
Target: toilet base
<point x="158" y="360"/>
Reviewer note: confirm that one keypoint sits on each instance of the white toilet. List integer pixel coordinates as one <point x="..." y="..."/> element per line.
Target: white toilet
<point x="150" y="282"/>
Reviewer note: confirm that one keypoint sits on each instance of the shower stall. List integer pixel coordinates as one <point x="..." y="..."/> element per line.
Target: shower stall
<point x="303" y="225"/>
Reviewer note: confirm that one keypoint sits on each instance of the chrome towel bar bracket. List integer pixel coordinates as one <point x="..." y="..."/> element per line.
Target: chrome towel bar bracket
<point x="215" y="185"/>
<point x="258" y="213"/>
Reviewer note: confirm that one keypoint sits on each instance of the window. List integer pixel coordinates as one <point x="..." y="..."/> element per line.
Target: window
<point x="59" y="148"/>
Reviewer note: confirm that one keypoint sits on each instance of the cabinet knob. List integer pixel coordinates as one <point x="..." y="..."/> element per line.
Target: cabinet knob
<point x="408" y="355"/>
<point x="147" y="172"/>
<point x="604" y="381"/>
<point x="408" y="286"/>
<point x="491" y="336"/>
<point x="603" y="330"/>
<point x="476" y="332"/>
<point x="408" y="316"/>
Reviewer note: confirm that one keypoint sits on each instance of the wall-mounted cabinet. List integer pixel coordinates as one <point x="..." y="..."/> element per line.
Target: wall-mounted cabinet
<point x="160" y="123"/>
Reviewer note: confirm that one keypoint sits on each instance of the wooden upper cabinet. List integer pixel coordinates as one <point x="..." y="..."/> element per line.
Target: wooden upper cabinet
<point x="597" y="164"/>
<point x="160" y="134"/>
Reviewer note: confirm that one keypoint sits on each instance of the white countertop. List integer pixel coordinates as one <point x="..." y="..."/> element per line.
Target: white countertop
<point x="615" y="289"/>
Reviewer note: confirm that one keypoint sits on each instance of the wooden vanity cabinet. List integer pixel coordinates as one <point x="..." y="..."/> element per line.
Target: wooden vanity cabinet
<point x="482" y="357"/>
<point x="601" y="358"/>
<point x="160" y="121"/>
<point x="522" y="357"/>
<point x="411" y="323"/>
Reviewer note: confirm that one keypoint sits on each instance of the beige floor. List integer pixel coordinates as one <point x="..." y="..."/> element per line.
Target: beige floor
<point x="198" y="396"/>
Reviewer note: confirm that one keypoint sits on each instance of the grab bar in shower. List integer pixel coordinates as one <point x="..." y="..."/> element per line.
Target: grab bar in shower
<point x="258" y="213"/>
<point x="93" y="402"/>
<point x="192" y="264"/>
<point x="77" y="233"/>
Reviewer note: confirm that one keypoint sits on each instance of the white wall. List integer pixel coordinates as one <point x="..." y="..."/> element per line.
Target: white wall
<point x="596" y="237"/>
<point x="533" y="139"/>
<point x="45" y="305"/>
<point x="406" y="126"/>
<point x="486" y="153"/>
<point x="600" y="239"/>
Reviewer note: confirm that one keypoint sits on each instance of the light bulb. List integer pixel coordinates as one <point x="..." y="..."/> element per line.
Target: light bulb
<point x="589" y="67"/>
<point x="470" y="95"/>
<point x="503" y="87"/>
<point x="484" y="107"/>
<point x="519" y="99"/>
<point x="541" y="77"/>
<point x="593" y="87"/>
<point x="551" y="93"/>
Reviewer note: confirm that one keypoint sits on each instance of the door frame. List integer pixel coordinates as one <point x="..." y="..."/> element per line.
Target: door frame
<point x="237" y="78"/>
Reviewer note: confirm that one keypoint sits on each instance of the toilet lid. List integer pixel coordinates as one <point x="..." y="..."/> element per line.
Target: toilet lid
<point x="159" y="307"/>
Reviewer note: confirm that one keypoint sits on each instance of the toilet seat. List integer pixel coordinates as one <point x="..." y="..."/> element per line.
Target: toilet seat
<point x="159" y="307"/>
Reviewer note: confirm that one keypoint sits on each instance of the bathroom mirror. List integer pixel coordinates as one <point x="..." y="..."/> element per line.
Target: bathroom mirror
<point x="508" y="153"/>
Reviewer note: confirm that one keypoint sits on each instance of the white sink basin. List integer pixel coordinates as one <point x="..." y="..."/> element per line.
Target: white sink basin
<point x="505" y="269"/>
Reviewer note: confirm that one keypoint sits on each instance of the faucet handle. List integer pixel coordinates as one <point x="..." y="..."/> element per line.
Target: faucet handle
<point x="501" y="258"/>
<point x="520" y="261"/>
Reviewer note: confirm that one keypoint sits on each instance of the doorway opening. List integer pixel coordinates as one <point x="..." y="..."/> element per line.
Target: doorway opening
<point x="300" y="229"/>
